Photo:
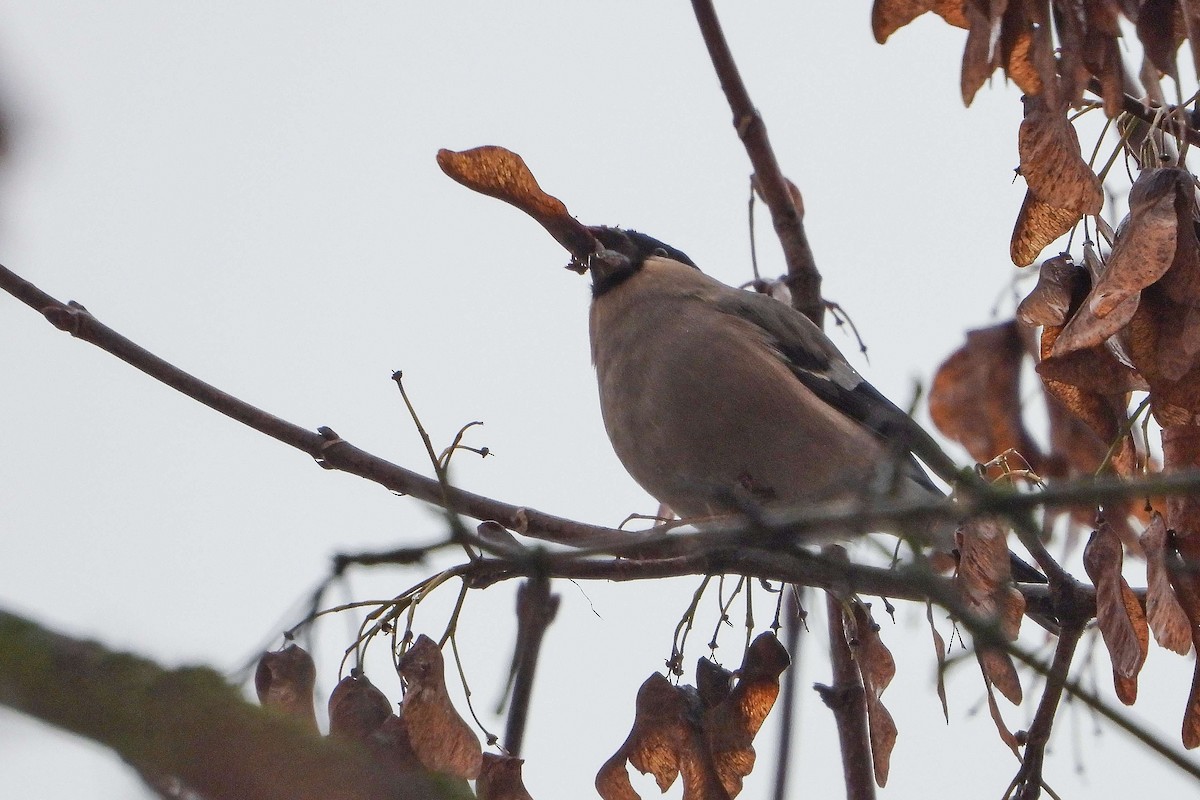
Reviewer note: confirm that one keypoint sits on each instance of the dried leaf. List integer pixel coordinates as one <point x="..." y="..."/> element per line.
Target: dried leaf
<point x="1038" y="224"/>
<point x="1071" y="27"/>
<point x="1185" y="580"/>
<point x="731" y="725"/>
<point x="1164" y="341"/>
<point x="391" y="742"/>
<point x="440" y="737"/>
<point x="357" y="708"/>
<point x="1006" y="735"/>
<point x="1104" y="413"/>
<point x="704" y="735"/>
<point x="877" y="668"/>
<point x="1182" y="281"/>
<point x="1118" y="614"/>
<point x="1017" y="50"/>
<point x="952" y="11"/>
<point x="975" y="396"/>
<point x="984" y="580"/>
<point x="1061" y="282"/>
<point x="665" y="742"/>
<point x="285" y="679"/>
<point x="939" y="650"/>
<point x="889" y="16"/>
<point x="502" y="174"/>
<point x="979" y="55"/>
<point x="1167" y="619"/>
<point x="1052" y="165"/>
<point x="1102" y="57"/>
<point x="1088" y="329"/>
<point x="1181" y="451"/>
<point x="1159" y="29"/>
<point x="1093" y="369"/>
<point x="500" y="779"/>
<point x="1145" y="246"/>
<point x="392" y="748"/>
<point x="713" y="682"/>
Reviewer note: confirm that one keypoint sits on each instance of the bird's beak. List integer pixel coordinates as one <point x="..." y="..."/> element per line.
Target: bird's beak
<point x="605" y="263"/>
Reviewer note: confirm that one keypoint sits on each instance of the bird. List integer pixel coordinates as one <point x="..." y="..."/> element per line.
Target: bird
<point x="717" y="400"/>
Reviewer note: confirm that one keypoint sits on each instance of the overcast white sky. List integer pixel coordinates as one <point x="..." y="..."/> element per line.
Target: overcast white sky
<point x="249" y="190"/>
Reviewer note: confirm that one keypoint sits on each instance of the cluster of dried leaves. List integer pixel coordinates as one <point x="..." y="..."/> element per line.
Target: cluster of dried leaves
<point x="426" y="734"/>
<point x="1054" y="49"/>
<point x="1125" y="319"/>
<point x="704" y="733"/>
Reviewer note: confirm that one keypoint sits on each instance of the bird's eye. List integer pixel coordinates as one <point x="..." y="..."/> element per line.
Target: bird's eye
<point x="660" y="252"/>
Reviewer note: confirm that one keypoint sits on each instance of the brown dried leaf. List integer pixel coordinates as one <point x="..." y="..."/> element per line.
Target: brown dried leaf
<point x="730" y="726"/>
<point x="1006" y="735"/>
<point x="975" y="396"/>
<point x="713" y="682"/>
<point x="1074" y="79"/>
<point x="357" y="708"/>
<point x="285" y="679"/>
<point x="1118" y="614"/>
<point x="939" y="650"/>
<point x="1038" y="224"/>
<point x="1145" y="247"/>
<point x="979" y="55"/>
<point x="1181" y="451"/>
<point x="984" y="580"/>
<point x="1164" y="342"/>
<point x="500" y="779"/>
<point x="1104" y="413"/>
<point x="1088" y="329"/>
<point x="1125" y="689"/>
<point x="889" y="16"/>
<point x="1191" y="27"/>
<point x="877" y="668"/>
<point x="440" y="737"/>
<point x="502" y="174"/>
<point x="1052" y="165"/>
<point x="1167" y="619"/>
<point x="1182" y="281"/>
<point x="1061" y="283"/>
<point x="1160" y="30"/>
<point x="391" y="747"/>
<point x="952" y="11"/>
<point x="1093" y="369"/>
<point x="1102" y="55"/>
<point x="1016" y="50"/>
<point x="665" y="742"/>
<point x="1000" y="671"/>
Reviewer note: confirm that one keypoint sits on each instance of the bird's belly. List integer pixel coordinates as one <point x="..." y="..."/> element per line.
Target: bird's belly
<point x="716" y="435"/>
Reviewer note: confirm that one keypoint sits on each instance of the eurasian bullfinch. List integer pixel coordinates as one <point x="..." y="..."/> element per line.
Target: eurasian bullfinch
<point x="718" y="399"/>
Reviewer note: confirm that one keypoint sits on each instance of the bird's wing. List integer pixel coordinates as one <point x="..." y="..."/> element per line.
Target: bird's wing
<point x="819" y="365"/>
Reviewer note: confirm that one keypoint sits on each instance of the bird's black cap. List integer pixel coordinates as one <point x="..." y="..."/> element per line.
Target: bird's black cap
<point x="628" y="250"/>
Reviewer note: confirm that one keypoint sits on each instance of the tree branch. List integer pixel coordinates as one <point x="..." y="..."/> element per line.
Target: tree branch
<point x="187" y="723"/>
<point x="847" y="699"/>
<point x="803" y="279"/>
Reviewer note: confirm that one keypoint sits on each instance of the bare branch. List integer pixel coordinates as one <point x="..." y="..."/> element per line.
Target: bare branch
<point x="846" y="698"/>
<point x="803" y="279"/>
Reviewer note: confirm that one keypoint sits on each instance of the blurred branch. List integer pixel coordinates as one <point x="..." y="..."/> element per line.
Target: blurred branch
<point x="803" y="279"/>
<point x="186" y="723"/>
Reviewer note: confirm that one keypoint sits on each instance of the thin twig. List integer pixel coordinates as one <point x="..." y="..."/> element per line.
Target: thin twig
<point x="803" y="279"/>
